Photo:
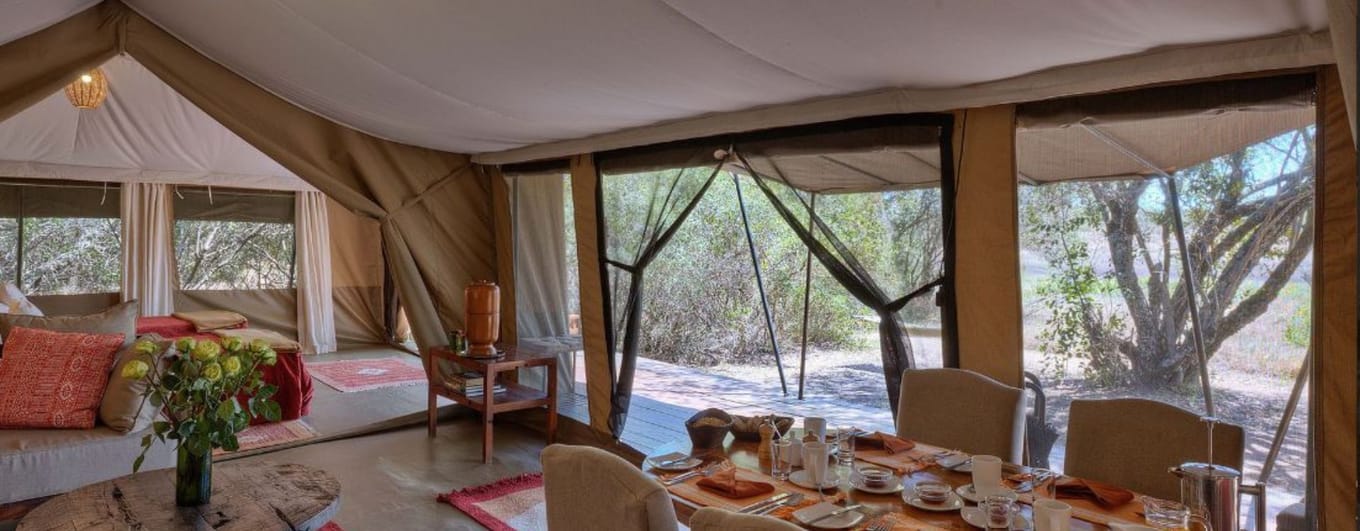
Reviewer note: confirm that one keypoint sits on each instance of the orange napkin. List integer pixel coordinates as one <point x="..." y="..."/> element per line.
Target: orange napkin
<point x="892" y="443"/>
<point x="726" y="484"/>
<point x="1105" y="494"/>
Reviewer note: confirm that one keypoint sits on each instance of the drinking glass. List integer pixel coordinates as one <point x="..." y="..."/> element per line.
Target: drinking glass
<point x="998" y="510"/>
<point x="1045" y="483"/>
<point x="781" y="458"/>
<point x="986" y="474"/>
<point x="845" y="446"/>
<point x="1166" y="515"/>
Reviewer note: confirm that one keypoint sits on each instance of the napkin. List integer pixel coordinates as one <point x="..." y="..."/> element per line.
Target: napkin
<point x="814" y="512"/>
<point x="726" y="484"/>
<point x="1105" y="494"/>
<point x="892" y="443"/>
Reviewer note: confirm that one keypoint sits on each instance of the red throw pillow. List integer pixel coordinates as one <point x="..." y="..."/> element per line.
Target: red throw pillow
<point x="54" y="379"/>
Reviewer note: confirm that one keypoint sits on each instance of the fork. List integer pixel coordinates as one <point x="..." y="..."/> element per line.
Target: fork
<point x="881" y="525"/>
<point x="705" y="472"/>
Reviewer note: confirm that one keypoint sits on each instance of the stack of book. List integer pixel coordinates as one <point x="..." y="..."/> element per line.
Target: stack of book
<point x="471" y="384"/>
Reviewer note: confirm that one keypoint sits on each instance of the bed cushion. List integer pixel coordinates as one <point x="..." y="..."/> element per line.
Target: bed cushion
<point x="119" y="319"/>
<point x="38" y="463"/>
<point x="54" y="379"/>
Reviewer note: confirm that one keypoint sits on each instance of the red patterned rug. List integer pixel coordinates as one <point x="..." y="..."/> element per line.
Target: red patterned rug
<point x="331" y="527"/>
<point x="506" y="505"/>
<point x="272" y="434"/>
<point x="348" y="376"/>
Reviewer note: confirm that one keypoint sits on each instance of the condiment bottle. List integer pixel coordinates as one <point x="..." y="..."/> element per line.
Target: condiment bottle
<point x="763" y="452"/>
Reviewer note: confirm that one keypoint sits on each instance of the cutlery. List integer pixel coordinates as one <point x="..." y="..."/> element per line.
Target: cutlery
<point x="881" y="525"/>
<point x="835" y="513"/>
<point x="676" y="461"/>
<point x="959" y="464"/>
<point x="706" y="471"/>
<point x="762" y="503"/>
<point x="794" y="499"/>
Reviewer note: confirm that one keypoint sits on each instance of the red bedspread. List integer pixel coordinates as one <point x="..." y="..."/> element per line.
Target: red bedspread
<point x="289" y="374"/>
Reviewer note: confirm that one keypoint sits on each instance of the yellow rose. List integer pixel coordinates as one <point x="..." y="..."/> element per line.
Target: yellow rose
<point x="206" y="350"/>
<point x="212" y="371"/>
<point x="232" y="365"/>
<point x="269" y="357"/>
<point x="146" y="347"/>
<point x="185" y="345"/>
<point x="232" y="344"/>
<point x="258" y="346"/>
<point x="135" y="369"/>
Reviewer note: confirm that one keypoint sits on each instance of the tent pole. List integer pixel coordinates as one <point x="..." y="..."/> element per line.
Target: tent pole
<point x="1187" y="270"/>
<point x="807" y="296"/>
<point x="760" y="285"/>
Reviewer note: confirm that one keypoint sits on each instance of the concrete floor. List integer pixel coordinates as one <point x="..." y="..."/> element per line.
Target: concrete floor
<point x="390" y="480"/>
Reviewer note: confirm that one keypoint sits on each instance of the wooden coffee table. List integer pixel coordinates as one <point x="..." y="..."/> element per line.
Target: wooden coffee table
<point x="255" y="496"/>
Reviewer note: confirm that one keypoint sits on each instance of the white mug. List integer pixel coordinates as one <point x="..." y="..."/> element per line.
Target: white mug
<point x="815" y="461"/>
<point x="1052" y="515"/>
<point x="815" y="426"/>
<point x="986" y="475"/>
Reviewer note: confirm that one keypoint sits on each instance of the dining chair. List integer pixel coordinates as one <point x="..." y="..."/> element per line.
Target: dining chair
<point x="714" y="519"/>
<point x="1132" y="442"/>
<point x="964" y="410"/>
<point x="588" y="489"/>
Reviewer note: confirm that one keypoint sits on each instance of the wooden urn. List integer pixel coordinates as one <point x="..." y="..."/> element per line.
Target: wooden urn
<point x="482" y="317"/>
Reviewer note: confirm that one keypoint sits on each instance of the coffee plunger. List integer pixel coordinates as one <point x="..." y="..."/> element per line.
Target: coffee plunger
<point x="1208" y="490"/>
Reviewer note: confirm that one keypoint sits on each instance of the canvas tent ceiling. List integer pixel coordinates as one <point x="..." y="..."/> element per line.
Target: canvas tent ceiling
<point x="563" y="70"/>
<point x="144" y="132"/>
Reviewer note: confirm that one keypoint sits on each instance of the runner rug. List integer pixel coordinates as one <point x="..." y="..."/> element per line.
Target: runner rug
<point x="272" y="434"/>
<point x="348" y="376"/>
<point x="506" y="505"/>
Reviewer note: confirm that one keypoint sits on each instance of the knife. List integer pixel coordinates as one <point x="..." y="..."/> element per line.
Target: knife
<point x="762" y="503"/>
<point x="834" y="513"/>
<point x="676" y="461"/>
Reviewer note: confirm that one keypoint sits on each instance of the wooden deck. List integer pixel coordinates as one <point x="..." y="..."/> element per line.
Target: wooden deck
<point x="665" y="394"/>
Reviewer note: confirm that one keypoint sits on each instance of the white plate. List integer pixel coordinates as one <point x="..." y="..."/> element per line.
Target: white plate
<point x="893" y="486"/>
<point x="656" y="461"/>
<point x="803" y="479"/>
<point x="844" y="521"/>
<point x="953" y="503"/>
<point x="975" y="518"/>
<point x="970" y="494"/>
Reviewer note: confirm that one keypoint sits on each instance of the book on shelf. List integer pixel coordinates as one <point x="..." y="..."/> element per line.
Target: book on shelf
<point x="469" y="383"/>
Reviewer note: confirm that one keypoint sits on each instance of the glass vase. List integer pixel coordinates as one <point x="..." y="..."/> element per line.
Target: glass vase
<point x="193" y="478"/>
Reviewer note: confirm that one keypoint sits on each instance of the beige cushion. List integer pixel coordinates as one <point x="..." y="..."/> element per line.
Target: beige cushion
<point x="120" y="319"/>
<point x="964" y="410"/>
<point x="713" y="519"/>
<point x="276" y="341"/>
<point x="123" y="408"/>
<point x="13" y="301"/>
<point x="1132" y="442"/>
<point x="588" y="489"/>
<point x="206" y="320"/>
<point x="37" y="463"/>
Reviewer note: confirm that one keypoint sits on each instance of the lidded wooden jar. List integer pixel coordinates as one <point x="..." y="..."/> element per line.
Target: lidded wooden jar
<point x="482" y="316"/>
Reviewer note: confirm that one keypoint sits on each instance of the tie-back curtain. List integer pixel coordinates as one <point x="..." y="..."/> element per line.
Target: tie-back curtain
<point x="148" y="235"/>
<point x="660" y="199"/>
<point x="316" y="305"/>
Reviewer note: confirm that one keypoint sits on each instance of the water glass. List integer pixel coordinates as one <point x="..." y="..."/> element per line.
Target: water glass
<point x="999" y="510"/>
<point x="1166" y="515"/>
<point x="845" y="446"/>
<point x="781" y="458"/>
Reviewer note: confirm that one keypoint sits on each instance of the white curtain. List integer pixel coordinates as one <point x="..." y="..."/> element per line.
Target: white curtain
<point x="541" y="269"/>
<point x="315" y="306"/>
<point x="148" y="256"/>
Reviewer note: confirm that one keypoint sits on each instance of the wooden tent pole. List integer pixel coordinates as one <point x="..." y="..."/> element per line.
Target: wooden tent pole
<point x="760" y="285"/>
<point x="807" y="296"/>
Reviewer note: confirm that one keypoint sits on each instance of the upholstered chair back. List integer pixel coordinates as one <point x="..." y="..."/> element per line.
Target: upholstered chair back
<point x="712" y="519"/>
<point x="964" y="410"/>
<point x="588" y="489"/>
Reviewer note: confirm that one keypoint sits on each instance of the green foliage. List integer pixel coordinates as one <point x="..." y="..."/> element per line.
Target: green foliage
<point x="63" y="255"/>
<point x="195" y="385"/>
<point x="1298" y="330"/>
<point x="234" y="254"/>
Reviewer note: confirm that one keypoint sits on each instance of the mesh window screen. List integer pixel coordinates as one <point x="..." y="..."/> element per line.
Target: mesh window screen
<point x="234" y="239"/>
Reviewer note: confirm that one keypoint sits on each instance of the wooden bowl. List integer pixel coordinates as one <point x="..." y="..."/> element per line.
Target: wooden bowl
<point x="708" y="435"/>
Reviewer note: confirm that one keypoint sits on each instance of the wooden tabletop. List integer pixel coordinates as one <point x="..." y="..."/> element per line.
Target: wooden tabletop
<point x="743" y="454"/>
<point x="254" y="496"/>
<point x="509" y="358"/>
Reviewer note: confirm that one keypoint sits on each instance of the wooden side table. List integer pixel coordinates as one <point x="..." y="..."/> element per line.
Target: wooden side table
<point x="515" y="396"/>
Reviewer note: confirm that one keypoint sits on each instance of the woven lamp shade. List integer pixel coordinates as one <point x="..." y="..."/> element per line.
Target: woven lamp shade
<point x="88" y="90"/>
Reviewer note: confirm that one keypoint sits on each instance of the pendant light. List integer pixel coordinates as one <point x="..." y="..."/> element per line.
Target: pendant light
<point x="88" y="90"/>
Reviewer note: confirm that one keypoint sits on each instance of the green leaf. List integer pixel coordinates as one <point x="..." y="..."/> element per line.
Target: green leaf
<point x="160" y="426"/>
<point x="230" y="444"/>
<point x="272" y="411"/>
<point x="137" y="463"/>
<point x="146" y="440"/>
<point x="226" y="409"/>
<point x="186" y="428"/>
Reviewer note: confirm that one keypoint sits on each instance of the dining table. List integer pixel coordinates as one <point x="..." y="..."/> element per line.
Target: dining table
<point x="884" y="511"/>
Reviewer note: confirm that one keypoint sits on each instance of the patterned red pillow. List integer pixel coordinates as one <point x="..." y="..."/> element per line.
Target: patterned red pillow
<point x="54" y="379"/>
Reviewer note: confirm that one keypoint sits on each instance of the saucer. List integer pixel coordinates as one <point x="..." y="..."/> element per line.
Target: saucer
<point x="803" y="478"/>
<point x="975" y="518"/>
<point x="953" y="503"/>
<point x="891" y="488"/>
<point x="844" y="521"/>
<point x="970" y="494"/>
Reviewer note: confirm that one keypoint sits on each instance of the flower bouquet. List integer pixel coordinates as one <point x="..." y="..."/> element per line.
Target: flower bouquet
<point x="195" y="386"/>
